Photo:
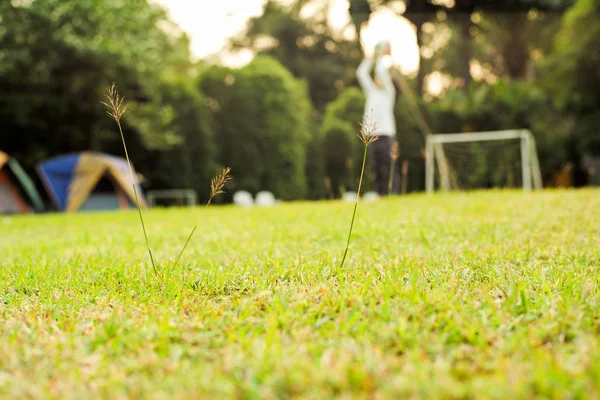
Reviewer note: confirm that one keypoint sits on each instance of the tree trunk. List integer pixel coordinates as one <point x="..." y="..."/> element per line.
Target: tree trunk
<point x="418" y="19"/>
<point x="465" y="25"/>
<point x="514" y="51"/>
<point x="421" y="73"/>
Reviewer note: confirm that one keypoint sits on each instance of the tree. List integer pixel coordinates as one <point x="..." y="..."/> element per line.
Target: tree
<point x="573" y="75"/>
<point x="305" y="46"/>
<point x="191" y="163"/>
<point x="513" y="19"/>
<point x="342" y="150"/>
<point x="418" y="12"/>
<point x="501" y="35"/>
<point x="262" y="115"/>
<point x="57" y="59"/>
<point x="315" y="161"/>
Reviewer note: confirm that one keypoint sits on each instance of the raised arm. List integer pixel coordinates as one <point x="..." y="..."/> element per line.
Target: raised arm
<point x="382" y="69"/>
<point x="363" y="76"/>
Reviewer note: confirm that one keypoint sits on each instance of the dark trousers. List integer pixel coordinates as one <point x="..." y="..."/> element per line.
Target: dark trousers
<point x="380" y="153"/>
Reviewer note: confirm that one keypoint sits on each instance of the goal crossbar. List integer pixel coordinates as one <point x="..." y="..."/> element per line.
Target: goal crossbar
<point x="476" y="137"/>
<point x="530" y="167"/>
<point x="188" y="194"/>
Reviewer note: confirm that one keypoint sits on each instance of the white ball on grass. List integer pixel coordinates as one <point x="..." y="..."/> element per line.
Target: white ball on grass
<point x="349" y="197"/>
<point x="370" y="196"/>
<point x="243" y="198"/>
<point x="265" y="199"/>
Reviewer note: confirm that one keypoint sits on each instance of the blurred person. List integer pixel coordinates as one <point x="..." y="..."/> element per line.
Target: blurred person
<point x="379" y="110"/>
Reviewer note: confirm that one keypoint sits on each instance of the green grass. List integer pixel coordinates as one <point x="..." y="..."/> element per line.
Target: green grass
<point x="484" y="295"/>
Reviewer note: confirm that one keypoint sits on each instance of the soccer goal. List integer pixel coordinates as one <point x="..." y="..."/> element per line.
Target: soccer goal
<point x="478" y="160"/>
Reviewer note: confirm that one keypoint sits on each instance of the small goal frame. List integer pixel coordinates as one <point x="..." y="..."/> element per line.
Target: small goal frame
<point x="188" y="194"/>
<point x="434" y="154"/>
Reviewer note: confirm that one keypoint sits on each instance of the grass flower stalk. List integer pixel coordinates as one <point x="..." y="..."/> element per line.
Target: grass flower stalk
<point x="218" y="183"/>
<point x="116" y="109"/>
<point x="367" y="136"/>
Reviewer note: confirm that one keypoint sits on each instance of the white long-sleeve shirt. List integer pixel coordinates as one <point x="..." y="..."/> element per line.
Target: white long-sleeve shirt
<point x="379" y="108"/>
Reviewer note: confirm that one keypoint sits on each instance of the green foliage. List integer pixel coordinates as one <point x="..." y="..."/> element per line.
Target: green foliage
<point x="349" y="107"/>
<point x="505" y="105"/>
<point x="573" y="73"/>
<point x="191" y="162"/>
<point x="502" y="38"/>
<point x="339" y="152"/>
<point x="58" y="57"/>
<point x="315" y="161"/>
<point x="305" y="46"/>
<point x="262" y="114"/>
<point x="342" y="149"/>
<point x="124" y="30"/>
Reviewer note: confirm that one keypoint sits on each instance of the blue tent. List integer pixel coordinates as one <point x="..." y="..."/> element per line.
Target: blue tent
<point x="72" y="181"/>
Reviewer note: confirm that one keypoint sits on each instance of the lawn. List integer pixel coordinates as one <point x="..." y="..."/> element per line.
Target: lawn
<point x="480" y="295"/>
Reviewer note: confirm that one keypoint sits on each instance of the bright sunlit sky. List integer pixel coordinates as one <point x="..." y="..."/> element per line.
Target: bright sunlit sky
<point x="210" y="23"/>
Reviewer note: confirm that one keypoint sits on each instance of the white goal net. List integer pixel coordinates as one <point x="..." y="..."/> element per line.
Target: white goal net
<point x="479" y="160"/>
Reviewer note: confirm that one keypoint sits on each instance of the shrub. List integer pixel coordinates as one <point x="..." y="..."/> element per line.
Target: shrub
<point x="262" y="122"/>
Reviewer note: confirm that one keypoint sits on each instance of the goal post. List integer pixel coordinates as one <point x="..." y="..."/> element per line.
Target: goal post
<point x="434" y="154"/>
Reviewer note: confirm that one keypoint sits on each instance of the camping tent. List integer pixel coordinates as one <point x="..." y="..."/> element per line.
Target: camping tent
<point x="14" y="184"/>
<point x="89" y="181"/>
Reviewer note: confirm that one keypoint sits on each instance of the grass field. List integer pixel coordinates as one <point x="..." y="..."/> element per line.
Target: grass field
<point x="482" y="295"/>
